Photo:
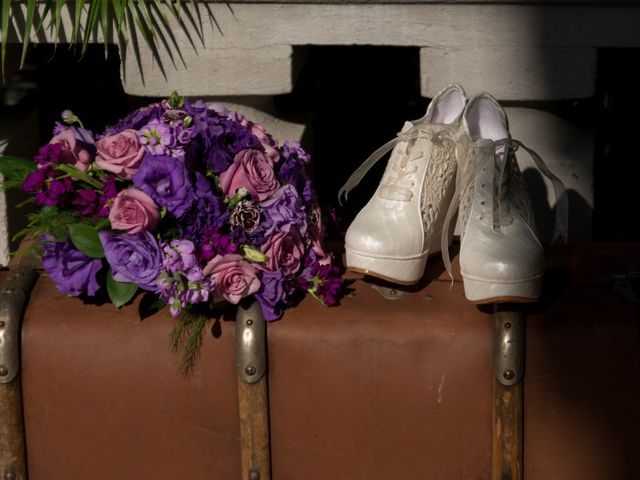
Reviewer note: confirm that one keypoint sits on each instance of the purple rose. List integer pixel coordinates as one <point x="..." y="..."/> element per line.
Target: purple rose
<point x="165" y="179"/>
<point x="274" y="294"/>
<point x="233" y="278"/>
<point x="71" y="270"/>
<point x="284" y="210"/>
<point x="284" y="252"/>
<point x="133" y="258"/>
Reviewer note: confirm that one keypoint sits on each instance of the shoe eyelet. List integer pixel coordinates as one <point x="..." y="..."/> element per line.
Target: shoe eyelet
<point x="483" y="203"/>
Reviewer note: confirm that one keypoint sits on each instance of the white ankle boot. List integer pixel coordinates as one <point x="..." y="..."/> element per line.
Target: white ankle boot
<point x="401" y="225"/>
<point x="501" y="258"/>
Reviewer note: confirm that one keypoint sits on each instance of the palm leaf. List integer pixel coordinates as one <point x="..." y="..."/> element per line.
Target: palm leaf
<point x="6" y="6"/>
<point x="76" y="20"/>
<point x="28" y="24"/>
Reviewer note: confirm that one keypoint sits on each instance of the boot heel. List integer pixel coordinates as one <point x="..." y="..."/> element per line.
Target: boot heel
<point x="405" y="271"/>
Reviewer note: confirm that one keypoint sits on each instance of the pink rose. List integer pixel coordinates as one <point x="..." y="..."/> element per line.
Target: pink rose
<point x="252" y="170"/>
<point x="133" y="211"/>
<point x="120" y="153"/>
<point x="233" y="278"/>
<point x="284" y="252"/>
<point x="72" y="153"/>
<point x="267" y="141"/>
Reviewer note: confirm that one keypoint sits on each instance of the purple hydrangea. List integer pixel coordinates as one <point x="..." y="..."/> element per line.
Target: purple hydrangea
<point x="133" y="258"/>
<point x="72" y="271"/>
<point x="207" y="211"/>
<point x="136" y="120"/>
<point x="166" y="180"/>
<point x="222" y="139"/>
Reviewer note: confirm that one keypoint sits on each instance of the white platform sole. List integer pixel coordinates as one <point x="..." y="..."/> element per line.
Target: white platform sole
<point x="487" y="291"/>
<point x="403" y="270"/>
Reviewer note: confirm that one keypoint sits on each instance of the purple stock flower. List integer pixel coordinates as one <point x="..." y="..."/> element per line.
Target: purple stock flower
<point x="275" y="294"/>
<point x="86" y="202"/>
<point x="109" y="192"/>
<point x="179" y="256"/>
<point x="216" y="243"/>
<point x="35" y="181"/>
<point x="57" y="193"/>
<point x="284" y="210"/>
<point x="156" y="137"/>
<point x="71" y="270"/>
<point x="49" y="154"/>
<point x="165" y="179"/>
<point x="133" y="258"/>
<point x="321" y="280"/>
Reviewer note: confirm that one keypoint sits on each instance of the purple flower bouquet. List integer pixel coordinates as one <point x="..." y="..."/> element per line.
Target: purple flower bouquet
<point x="197" y="206"/>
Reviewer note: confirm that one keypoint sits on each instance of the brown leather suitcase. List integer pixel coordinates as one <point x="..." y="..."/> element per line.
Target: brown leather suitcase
<point x="373" y="389"/>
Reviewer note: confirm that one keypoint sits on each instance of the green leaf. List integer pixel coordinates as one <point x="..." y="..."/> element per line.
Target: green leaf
<point x="15" y="168"/>
<point x="120" y="292"/>
<point x="79" y="174"/>
<point x="4" y="24"/>
<point x="85" y="238"/>
<point x="149" y="305"/>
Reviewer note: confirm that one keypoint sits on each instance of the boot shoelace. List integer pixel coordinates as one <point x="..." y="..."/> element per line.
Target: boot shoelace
<point x="499" y="179"/>
<point x="397" y="188"/>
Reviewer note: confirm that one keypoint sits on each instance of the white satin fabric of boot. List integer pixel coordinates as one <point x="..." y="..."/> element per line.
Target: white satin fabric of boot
<point x="501" y="258"/>
<point x="401" y="225"/>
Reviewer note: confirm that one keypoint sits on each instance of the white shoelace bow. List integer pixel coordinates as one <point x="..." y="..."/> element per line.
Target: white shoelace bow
<point x="396" y="184"/>
<point x="561" y="208"/>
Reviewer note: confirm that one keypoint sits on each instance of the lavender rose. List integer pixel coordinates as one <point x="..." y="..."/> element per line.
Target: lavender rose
<point x="252" y="170"/>
<point x="166" y="180"/>
<point x="72" y="152"/>
<point x="133" y="211"/>
<point x="133" y="258"/>
<point x="71" y="270"/>
<point x="284" y="252"/>
<point x="120" y="153"/>
<point x="233" y="278"/>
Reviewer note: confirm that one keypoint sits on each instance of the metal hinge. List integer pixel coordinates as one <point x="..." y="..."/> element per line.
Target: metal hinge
<point x="13" y="297"/>
<point x="251" y="351"/>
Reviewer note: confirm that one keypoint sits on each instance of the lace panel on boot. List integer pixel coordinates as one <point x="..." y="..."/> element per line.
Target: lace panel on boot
<point x="439" y="174"/>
